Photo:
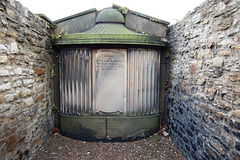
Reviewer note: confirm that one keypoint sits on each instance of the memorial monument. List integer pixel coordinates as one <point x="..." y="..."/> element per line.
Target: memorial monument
<point x="110" y="79"/>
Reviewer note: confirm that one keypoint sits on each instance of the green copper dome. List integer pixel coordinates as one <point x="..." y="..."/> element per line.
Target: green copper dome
<point x="110" y="29"/>
<point x="110" y="16"/>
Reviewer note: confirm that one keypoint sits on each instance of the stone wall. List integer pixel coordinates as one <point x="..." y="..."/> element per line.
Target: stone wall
<point x="25" y="81"/>
<point x="204" y="81"/>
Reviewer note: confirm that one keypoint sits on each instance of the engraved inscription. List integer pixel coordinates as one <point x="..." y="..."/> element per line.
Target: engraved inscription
<point x="109" y="80"/>
<point x="110" y="62"/>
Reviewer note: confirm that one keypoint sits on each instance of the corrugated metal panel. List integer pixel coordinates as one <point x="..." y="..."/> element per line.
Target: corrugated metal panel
<point x="143" y="81"/>
<point x="75" y="81"/>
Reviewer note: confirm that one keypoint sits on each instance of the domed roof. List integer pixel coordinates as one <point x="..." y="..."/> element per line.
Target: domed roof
<point x="110" y="29"/>
<point x="110" y="15"/>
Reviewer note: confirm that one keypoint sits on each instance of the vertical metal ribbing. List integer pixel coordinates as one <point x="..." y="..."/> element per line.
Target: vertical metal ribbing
<point x="155" y="81"/>
<point x="148" y="82"/>
<point x="152" y="80"/>
<point x="65" y="84"/>
<point x="137" y="82"/>
<point x="153" y="77"/>
<point x="68" y="83"/>
<point x="140" y="90"/>
<point x="81" y="81"/>
<point x="90" y="80"/>
<point x="158" y="81"/>
<point x="85" y="81"/>
<point x="75" y="81"/>
<point x="143" y="81"/>
<point x="61" y="84"/>
<point x="129" y="81"/>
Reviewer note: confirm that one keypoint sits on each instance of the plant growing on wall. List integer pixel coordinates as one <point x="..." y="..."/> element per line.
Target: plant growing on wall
<point x="167" y="55"/>
<point x="54" y="108"/>
<point x="155" y="20"/>
<point x="52" y="73"/>
<point x="54" y="37"/>
<point x="124" y="10"/>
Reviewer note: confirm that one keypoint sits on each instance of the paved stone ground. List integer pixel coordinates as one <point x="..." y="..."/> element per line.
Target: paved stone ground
<point x="155" y="147"/>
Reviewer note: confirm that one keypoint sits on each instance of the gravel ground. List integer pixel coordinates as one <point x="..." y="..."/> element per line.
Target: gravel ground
<point x="155" y="147"/>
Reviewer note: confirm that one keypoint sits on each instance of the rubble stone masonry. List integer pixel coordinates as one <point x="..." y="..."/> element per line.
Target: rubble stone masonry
<point x="25" y="81"/>
<point x="203" y="94"/>
<point x="202" y="90"/>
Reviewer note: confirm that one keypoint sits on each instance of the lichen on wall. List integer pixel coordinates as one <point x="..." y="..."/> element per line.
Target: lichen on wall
<point x="25" y="81"/>
<point x="204" y="75"/>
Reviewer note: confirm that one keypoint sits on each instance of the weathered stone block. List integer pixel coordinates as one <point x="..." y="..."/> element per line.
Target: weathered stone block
<point x="18" y="83"/>
<point x="237" y="134"/>
<point x="212" y="153"/>
<point x="193" y="69"/>
<point x="1" y="98"/>
<point x="28" y="81"/>
<point x="224" y="53"/>
<point x="10" y="97"/>
<point x="12" y="33"/>
<point x="28" y="102"/>
<point x="201" y="80"/>
<point x="236" y="113"/>
<point x="217" y="147"/>
<point x="18" y="71"/>
<point x="234" y="77"/>
<point x="38" y="98"/>
<point x="217" y="62"/>
<point x="11" y="143"/>
<point x="3" y="48"/>
<point x="234" y="155"/>
<point x="3" y="59"/>
<point x="24" y="92"/>
<point x="4" y="87"/>
<point x="236" y="47"/>
<point x="222" y="23"/>
<point x="206" y="54"/>
<point x="4" y="73"/>
<point x="37" y="141"/>
<point x="196" y="18"/>
<point x="14" y="47"/>
<point x="220" y="115"/>
<point x="38" y="71"/>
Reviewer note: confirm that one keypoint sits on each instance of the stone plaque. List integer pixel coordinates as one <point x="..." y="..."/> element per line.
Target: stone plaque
<point x="109" y="74"/>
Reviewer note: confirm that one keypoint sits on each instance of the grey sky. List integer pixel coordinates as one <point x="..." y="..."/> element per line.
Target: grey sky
<point x="168" y="10"/>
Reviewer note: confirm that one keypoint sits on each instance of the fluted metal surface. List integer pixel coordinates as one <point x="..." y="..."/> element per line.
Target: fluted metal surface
<point x="75" y="81"/>
<point x="111" y="28"/>
<point x="143" y="81"/>
<point x="142" y="85"/>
